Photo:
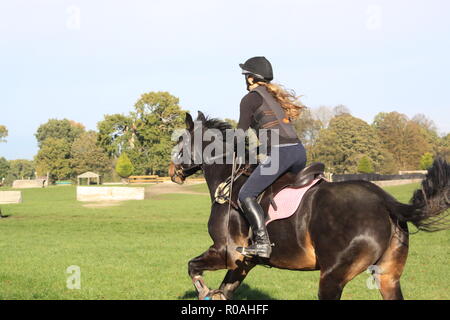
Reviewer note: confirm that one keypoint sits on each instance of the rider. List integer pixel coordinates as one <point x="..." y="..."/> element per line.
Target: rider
<point x="267" y="106"/>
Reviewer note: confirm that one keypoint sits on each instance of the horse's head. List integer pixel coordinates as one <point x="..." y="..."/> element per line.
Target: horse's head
<point x="188" y="155"/>
<point x="183" y="164"/>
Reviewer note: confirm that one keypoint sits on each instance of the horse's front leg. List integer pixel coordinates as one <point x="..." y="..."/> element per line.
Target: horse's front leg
<point x="212" y="259"/>
<point x="234" y="278"/>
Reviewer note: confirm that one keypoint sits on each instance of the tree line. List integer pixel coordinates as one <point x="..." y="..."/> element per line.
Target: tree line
<point x="66" y="149"/>
<point x="139" y="142"/>
<point x="392" y="142"/>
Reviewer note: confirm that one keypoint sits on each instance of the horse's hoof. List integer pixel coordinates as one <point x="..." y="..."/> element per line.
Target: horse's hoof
<point x="204" y="295"/>
<point x="217" y="295"/>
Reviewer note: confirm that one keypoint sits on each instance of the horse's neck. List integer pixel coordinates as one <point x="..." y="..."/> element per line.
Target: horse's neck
<point x="215" y="174"/>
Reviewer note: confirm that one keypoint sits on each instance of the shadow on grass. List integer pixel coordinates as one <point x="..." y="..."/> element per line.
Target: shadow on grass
<point x="244" y="292"/>
<point x="2" y="216"/>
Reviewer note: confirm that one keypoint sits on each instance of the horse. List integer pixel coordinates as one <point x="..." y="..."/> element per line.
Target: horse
<point x="340" y="228"/>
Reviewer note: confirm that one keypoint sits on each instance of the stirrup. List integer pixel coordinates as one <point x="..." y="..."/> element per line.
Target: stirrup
<point x="262" y="250"/>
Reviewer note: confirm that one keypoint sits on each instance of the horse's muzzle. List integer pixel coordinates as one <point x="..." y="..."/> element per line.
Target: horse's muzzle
<point x="176" y="174"/>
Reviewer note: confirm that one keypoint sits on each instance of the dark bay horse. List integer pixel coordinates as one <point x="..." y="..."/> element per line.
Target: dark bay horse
<point x="340" y="228"/>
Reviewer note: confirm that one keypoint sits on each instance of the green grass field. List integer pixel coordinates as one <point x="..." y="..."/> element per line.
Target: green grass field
<point x="140" y="250"/>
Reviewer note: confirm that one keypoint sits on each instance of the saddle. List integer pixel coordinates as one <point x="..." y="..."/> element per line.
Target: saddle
<point x="304" y="177"/>
<point x="296" y="181"/>
<point x="285" y="195"/>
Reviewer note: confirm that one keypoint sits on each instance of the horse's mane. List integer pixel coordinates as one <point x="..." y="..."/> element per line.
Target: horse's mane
<point x="223" y="126"/>
<point x="215" y="123"/>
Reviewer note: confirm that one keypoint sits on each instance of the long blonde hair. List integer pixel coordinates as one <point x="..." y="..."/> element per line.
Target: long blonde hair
<point x="288" y="100"/>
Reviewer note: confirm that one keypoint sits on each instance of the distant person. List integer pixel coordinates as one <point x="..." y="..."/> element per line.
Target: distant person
<point x="267" y="106"/>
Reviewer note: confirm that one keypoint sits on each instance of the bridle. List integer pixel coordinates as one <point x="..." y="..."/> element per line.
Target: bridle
<point x="224" y="191"/>
<point x="183" y="173"/>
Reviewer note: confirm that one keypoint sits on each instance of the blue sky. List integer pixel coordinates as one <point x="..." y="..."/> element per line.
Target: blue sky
<point x="83" y="59"/>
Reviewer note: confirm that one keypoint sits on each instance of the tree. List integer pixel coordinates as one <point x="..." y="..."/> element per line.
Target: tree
<point x="405" y="139"/>
<point x="365" y="165"/>
<point x="424" y="122"/>
<point x="116" y="133"/>
<point x="312" y="121"/>
<point x="444" y="147"/>
<point x="323" y="114"/>
<point x="54" y="157"/>
<point x="429" y="131"/>
<point x="86" y="155"/>
<point x="65" y="129"/>
<point x="55" y="139"/>
<point x="124" y="167"/>
<point x="4" y="168"/>
<point x="4" y="165"/>
<point x="3" y="133"/>
<point x="156" y="116"/>
<point x="145" y="134"/>
<point x="426" y="161"/>
<point x="308" y="129"/>
<point x="345" y="141"/>
<point x="388" y="165"/>
<point x="340" y="110"/>
<point x="20" y="169"/>
<point x="232" y="122"/>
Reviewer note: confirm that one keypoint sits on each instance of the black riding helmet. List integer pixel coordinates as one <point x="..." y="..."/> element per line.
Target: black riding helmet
<point x="259" y="67"/>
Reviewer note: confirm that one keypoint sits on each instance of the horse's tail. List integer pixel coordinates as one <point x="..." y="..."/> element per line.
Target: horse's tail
<point x="428" y="207"/>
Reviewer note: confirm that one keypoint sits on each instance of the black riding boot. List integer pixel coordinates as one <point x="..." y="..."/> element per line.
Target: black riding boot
<point x="255" y="216"/>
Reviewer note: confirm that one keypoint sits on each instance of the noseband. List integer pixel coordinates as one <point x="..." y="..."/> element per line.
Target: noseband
<point x="183" y="173"/>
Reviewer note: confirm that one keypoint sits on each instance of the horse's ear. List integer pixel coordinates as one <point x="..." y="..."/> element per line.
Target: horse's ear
<point x="189" y="122"/>
<point x="201" y="117"/>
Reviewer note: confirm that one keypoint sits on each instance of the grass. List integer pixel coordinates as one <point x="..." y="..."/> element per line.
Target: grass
<point x="140" y="250"/>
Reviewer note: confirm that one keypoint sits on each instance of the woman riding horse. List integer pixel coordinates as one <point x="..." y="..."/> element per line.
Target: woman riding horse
<point x="267" y="106"/>
<point x="339" y="228"/>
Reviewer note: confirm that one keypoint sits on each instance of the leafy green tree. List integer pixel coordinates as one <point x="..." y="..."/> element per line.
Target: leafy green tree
<point x="55" y="139"/>
<point x="4" y="168"/>
<point x="388" y="165"/>
<point x="405" y="139"/>
<point x="3" y="133"/>
<point x="156" y="116"/>
<point x="20" y="169"/>
<point x="59" y="129"/>
<point x="116" y="133"/>
<point x="428" y="130"/>
<point x="308" y="129"/>
<point x="124" y="167"/>
<point x="145" y="134"/>
<point x="365" y="165"/>
<point x="4" y="165"/>
<point x="54" y="157"/>
<point x="340" y="110"/>
<point x="341" y="145"/>
<point x="232" y="122"/>
<point x="444" y="147"/>
<point x="86" y="155"/>
<point x="426" y="161"/>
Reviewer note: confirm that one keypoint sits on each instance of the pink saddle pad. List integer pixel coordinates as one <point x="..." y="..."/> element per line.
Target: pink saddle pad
<point x="287" y="202"/>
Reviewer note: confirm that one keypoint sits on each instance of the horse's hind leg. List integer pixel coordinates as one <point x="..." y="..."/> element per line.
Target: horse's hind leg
<point x="330" y="288"/>
<point x="351" y="262"/>
<point x="391" y="266"/>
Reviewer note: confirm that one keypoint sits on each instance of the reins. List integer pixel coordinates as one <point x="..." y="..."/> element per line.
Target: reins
<point x="232" y="179"/>
<point x="224" y="191"/>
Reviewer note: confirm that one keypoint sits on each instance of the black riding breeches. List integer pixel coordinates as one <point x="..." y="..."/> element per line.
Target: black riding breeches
<point x="283" y="158"/>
